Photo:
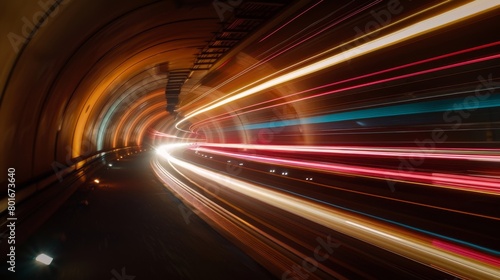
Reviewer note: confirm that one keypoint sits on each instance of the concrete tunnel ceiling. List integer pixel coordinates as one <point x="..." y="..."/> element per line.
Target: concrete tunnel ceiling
<point x="93" y="75"/>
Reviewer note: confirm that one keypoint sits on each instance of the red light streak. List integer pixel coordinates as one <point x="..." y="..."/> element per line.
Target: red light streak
<point x="466" y="252"/>
<point x="461" y="182"/>
<point x="240" y="111"/>
<point x="270" y="57"/>
<point x="405" y="152"/>
<point x="288" y="22"/>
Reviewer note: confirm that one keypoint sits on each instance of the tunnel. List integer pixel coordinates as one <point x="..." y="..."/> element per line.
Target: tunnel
<point x="224" y="139"/>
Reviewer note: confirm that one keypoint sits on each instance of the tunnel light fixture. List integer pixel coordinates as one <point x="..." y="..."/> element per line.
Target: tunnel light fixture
<point x="43" y="258"/>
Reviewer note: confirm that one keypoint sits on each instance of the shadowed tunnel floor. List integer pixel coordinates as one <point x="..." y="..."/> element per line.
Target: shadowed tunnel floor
<point x="132" y="228"/>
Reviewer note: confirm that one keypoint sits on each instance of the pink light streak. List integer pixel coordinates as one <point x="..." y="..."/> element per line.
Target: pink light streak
<point x="270" y="57"/>
<point x="466" y="252"/>
<point x="460" y="182"/>
<point x="405" y="152"/>
<point x="288" y="22"/>
<point x="259" y="105"/>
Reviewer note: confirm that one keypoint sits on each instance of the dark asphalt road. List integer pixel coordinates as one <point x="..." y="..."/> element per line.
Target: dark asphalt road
<point x="132" y="228"/>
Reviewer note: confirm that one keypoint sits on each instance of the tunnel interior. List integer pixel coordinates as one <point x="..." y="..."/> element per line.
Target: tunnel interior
<point x="403" y="86"/>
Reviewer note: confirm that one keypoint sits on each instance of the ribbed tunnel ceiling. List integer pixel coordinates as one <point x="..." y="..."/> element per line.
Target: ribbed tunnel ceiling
<point x="93" y="75"/>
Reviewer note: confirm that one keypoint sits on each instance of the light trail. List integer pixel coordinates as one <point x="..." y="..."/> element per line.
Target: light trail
<point x="451" y="181"/>
<point x="244" y="109"/>
<point x="288" y="22"/>
<point x="224" y="219"/>
<point x="385" y="197"/>
<point x="315" y="56"/>
<point x="399" y="241"/>
<point x="466" y="252"/>
<point x="436" y="106"/>
<point x="269" y="58"/>
<point x="442" y="20"/>
<point x="157" y="133"/>
<point x="490" y="155"/>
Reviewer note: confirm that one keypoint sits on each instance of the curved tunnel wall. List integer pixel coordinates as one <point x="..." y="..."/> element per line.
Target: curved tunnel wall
<point x="67" y="90"/>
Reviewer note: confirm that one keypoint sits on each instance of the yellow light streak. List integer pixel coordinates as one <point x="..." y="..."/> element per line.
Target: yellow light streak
<point x="390" y="238"/>
<point x="442" y="20"/>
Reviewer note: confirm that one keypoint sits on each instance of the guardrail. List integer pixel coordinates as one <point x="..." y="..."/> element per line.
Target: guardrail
<point x="37" y="201"/>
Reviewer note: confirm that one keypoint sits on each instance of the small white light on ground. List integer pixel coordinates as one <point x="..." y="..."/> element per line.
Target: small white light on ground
<point x="46" y="260"/>
<point x="96" y="181"/>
